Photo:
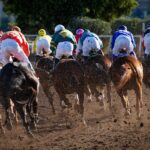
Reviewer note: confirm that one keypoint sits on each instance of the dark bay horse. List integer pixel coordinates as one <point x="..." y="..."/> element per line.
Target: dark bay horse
<point x="97" y="77"/>
<point x="146" y="69"/>
<point x="67" y="78"/>
<point x="19" y="85"/>
<point x="43" y="69"/>
<point x="127" y="74"/>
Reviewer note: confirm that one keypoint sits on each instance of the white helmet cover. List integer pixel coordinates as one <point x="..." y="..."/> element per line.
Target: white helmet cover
<point x="59" y="27"/>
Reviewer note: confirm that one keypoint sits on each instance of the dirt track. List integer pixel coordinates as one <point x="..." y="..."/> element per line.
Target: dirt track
<point x="106" y="130"/>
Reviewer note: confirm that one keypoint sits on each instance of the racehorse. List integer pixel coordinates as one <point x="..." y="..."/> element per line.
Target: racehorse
<point x="19" y="85"/>
<point x="97" y="77"/>
<point x="43" y="67"/>
<point x="146" y="69"/>
<point x="67" y="78"/>
<point x="127" y="74"/>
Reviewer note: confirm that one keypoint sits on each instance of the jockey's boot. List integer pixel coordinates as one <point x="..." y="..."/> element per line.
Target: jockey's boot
<point x="56" y="61"/>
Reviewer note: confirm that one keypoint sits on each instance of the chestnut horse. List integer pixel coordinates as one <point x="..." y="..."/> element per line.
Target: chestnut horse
<point x="127" y="74"/>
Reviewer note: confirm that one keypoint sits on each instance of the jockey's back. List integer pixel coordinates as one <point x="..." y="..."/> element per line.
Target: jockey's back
<point x="61" y="36"/>
<point x="124" y="33"/>
<point x="19" y="38"/>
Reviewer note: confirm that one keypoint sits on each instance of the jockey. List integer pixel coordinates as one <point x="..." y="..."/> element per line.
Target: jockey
<point x="122" y="39"/>
<point x="63" y="43"/>
<point x="87" y="42"/>
<point x="79" y="33"/>
<point x="146" y="41"/>
<point x="13" y="43"/>
<point x="42" y="43"/>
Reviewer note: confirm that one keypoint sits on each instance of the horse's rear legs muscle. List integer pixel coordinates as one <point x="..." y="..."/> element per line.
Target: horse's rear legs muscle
<point x="50" y="98"/>
<point x="23" y="114"/>
<point x="124" y="99"/>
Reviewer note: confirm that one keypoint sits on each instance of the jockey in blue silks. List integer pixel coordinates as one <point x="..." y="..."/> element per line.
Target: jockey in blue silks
<point x="122" y="39"/>
<point x="146" y="41"/>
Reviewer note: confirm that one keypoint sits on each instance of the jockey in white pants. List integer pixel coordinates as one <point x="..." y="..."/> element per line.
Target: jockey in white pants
<point x="14" y="44"/>
<point x="63" y="43"/>
<point x="147" y="44"/>
<point x="122" y="39"/>
<point x="42" y="43"/>
<point x="146" y="41"/>
<point x="89" y="41"/>
<point x="64" y="48"/>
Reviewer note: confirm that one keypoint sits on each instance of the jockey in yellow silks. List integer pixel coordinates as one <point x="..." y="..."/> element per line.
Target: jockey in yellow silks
<point x="42" y="43"/>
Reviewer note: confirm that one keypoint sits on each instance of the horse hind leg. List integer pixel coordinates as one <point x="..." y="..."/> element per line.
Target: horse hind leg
<point x="88" y="93"/>
<point x="8" y="112"/>
<point x="50" y="99"/>
<point x="14" y="112"/>
<point x="80" y="106"/>
<point x="125" y="101"/>
<point x="1" y="126"/>
<point x="108" y="87"/>
<point x="23" y="114"/>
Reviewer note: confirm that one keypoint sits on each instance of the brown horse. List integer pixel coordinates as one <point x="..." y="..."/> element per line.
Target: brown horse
<point x="96" y="71"/>
<point x="43" y="67"/>
<point x="127" y="74"/>
<point x="19" y="88"/>
<point x="67" y="78"/>
<point x="146" y="69"/>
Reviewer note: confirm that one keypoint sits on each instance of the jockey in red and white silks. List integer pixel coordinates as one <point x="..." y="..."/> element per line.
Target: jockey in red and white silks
<point x="13" y="43"/>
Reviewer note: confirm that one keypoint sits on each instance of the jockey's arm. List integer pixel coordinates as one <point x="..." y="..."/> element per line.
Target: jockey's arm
<point x="113" y="40"/>
<point x="132" y="40"/>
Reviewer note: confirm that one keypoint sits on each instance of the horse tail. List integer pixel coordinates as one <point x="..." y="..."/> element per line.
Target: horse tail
<point x="137" y="69"/>
<point x="124" y="79"/>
